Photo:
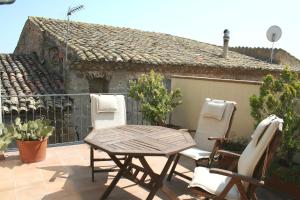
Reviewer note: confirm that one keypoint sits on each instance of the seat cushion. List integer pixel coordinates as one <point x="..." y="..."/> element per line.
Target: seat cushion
<point x="195" y="153"/>
<point x="211" y="127"/>
<point x="213" y="183"/>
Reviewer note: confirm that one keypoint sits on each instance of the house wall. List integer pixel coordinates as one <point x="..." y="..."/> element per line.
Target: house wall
<point x="195" y="90"/>
<point x="49" y="51"/>
<point x="31" y="40"/>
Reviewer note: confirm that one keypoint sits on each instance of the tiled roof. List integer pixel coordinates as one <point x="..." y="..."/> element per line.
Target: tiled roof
<point x="22" y="75"/>
<point x="280" y="56"/>
<point x="102" y="43"/>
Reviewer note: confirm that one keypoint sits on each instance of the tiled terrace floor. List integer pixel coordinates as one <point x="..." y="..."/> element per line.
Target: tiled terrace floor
<point x="65" y="174"/>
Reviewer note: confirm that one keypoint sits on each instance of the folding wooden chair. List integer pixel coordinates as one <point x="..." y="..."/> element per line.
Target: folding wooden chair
<point x="214" y="124"/>
<point x="250" y="167"/>
<point x="106" y="111"/>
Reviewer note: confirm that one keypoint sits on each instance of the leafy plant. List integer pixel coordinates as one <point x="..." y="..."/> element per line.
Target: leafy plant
<point x="5" y="138"/>
<point x="156" y="101"/>
<point x="277" y="96"/>
<point x="39" y="129"/>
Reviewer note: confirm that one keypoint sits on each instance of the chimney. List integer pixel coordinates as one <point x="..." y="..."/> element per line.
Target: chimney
<point x="225" y="44"/>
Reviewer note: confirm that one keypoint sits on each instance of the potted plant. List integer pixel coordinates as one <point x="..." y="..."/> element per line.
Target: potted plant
<point x="156" y="101"/>
<point x="32" y="138"/>
<point x="278" y="96"/>
<point x="5" y="140"/>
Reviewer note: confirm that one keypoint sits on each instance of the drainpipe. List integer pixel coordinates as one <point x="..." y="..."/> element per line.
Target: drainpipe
<point x="225" y="43"/>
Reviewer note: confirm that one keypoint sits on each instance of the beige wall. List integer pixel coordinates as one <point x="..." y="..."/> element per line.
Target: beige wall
<point x="195" y="90"/>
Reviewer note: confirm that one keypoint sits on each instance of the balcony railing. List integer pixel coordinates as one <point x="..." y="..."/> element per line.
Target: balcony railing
<point x="70" y="114"/>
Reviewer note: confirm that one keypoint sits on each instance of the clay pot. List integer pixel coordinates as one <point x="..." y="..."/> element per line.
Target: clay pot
<point x="32" y="151"/>
<point x="275" y="183"/>
<point x="2" y="156"/>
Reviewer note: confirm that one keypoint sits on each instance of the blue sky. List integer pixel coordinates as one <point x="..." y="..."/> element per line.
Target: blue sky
<point x="203" y="20"/>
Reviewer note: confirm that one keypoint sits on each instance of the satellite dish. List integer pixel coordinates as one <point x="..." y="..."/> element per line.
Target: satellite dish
<point x="273" y="35"/>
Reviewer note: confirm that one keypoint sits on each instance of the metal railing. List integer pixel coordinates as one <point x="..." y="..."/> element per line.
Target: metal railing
<point x="70" y="114"/>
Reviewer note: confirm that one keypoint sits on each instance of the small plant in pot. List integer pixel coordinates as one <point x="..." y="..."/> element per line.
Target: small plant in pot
<point x="32" y="138"/>
<point x="5" y="140"/>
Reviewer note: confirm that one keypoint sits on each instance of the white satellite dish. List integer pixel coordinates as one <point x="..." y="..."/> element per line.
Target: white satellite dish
<point x="273" y="34"/>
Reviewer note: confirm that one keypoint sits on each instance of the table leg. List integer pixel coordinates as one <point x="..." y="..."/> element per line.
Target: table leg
<point x="156" y="178"/>
<point x="117" y="177"/>
<point x="92" y="163"/>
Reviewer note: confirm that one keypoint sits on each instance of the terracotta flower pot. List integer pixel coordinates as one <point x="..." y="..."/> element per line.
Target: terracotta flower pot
<point x="2" y="156"/>
<point x="32" y="151"/>
<point x="275" y="183"/>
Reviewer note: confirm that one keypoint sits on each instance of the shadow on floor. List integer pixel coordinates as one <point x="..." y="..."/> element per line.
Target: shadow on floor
<point x="78" y="185"/>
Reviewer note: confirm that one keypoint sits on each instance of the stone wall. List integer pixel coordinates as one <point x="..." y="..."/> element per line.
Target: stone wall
<point x="48" y="51"/>
<point x="118" y="74"/>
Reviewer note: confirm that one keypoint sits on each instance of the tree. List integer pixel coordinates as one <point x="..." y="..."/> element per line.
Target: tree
<point x="156" y="101"/>
<point x="277" y="96"/>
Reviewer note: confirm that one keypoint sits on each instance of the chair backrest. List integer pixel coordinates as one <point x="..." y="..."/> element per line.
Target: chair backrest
<point x="214" y="121"/>
<point x="107" y="110"/>
<point x="262" y="142"/>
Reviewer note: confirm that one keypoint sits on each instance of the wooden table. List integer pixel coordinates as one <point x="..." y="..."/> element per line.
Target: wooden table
<point x="138" y="141"/>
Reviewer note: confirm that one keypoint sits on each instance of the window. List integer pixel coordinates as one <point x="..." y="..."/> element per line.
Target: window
<point x="98" y="85"/>
<point x="167" y="83"/>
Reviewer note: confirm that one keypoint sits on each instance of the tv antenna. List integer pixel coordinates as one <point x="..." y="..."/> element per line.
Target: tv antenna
<point x="70" y="11"/>
<point x="273" y="35"/>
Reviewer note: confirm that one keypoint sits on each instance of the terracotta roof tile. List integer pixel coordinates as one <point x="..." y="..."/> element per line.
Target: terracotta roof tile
<point x="22" y="75"/>
<point x="102" y="43"/>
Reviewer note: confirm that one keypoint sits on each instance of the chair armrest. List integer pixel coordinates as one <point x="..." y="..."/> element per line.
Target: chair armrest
<point x="184" y="129"/>
<point x="187" y="130"/>
<point x="236" y="175"/>
<point x="229" y="154"/>
<point x="218" y="138"/>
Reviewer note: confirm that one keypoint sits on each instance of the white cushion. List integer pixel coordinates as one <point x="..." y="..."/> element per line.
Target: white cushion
<point x="106" y="103"/>
<point x="255" y="149"/>
<point x="108" y="119"/>
<point x="211" y="127"/>
<point x="213" y="109"/>
<point x="195" y="153"/>
<point x="213" y="183"/>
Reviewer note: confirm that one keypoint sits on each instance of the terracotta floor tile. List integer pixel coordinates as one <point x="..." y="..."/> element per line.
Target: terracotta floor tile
<point x="29" y="180"/>
<point x="8" y="195"/>
<point x="32" y="192"/>
<point x="26" y="172"/>
<point x="7" y="185"/>
<point x="66" y="175"/>
<point x="6" y="173"/>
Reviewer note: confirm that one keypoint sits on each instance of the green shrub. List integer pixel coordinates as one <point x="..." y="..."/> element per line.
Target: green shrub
<point x="277" y="96"/>
<point x="156" y="101"/>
